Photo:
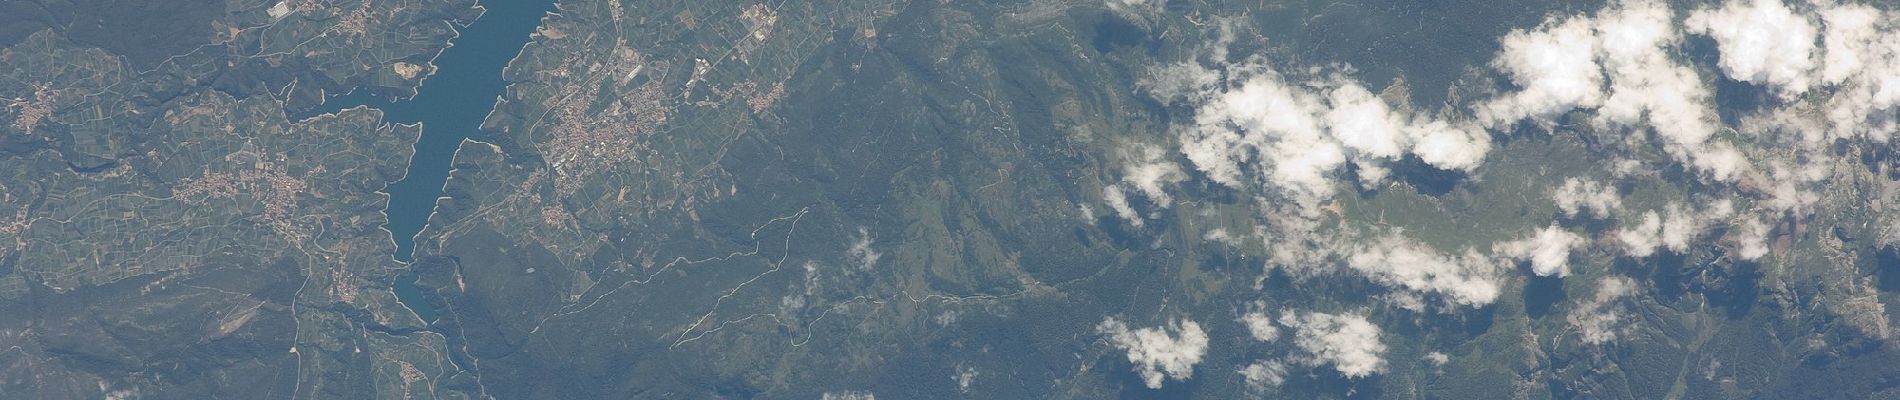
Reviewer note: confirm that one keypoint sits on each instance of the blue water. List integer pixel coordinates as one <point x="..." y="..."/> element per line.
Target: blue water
<point x="450" y="105"/>
<point x="411" y="296"/>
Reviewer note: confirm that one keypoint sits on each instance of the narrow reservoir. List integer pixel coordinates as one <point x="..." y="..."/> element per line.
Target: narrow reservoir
<point x="450" y="106"/>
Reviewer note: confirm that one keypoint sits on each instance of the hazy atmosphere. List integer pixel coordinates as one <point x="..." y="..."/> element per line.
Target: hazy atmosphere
<point x="1010" y="199"/>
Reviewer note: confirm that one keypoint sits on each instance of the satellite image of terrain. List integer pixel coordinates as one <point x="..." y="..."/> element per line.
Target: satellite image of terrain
<point x="949" y="199"/>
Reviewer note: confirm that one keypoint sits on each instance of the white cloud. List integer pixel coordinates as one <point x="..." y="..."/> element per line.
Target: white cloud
<point x="1146" y="173"/>
<point x="1676" y="229"/>
<point x="1641" y="240"/>
<point x="1410" y="301"/>
<point x="1790" y="188"/>
<point x="1761" y="42"/>
<point x="1548" y="250"/>
<point x="1221" y="236"/>
<point x="1752" y="239"/>
<point x="1394" y="260"/>
<point x="1363" y="123"/>
<point x="1297" y="237"/>
<point x="1348" y="342"/>
<point x="791" y="304"/>
<point x="1648" y="85"/>
<point x="1188" y="81"/>
<point x="1849" y="38"/>
<point x="1578" y="196"/>
<point x="1304" y="247"/>
<point x="1437" y="358"/>
<point x="861" y="251"/>
<point x="848" y="395"/>
<point x="1553" y="67"/>
<point x="1254" y="126"/>
<point x="1119" y="202"/>
<point x="1149" y="171"/>
<point x="1135" y="5"/>
<point x="964" y="377"/>
<point x="1259" y="325"/>
<point x="1216" y="152"/>
<point x="1278" y="122"/>
<point x="1863" y="61"/>
<point x="1686" y="225"/>
<point x="1621" y="64"/>
<point x="1448" y="146"/>
<point x="1565" y="64"/>
<point x="1263" y="375"/>
<point x="1679" y="229"/>
<point x="1156" y="353"/>
<point x="1722" y="161"/>
<point x="1783" y="125"/>
<point x="1596" y="319"/>
<point x="1624" y="168"/>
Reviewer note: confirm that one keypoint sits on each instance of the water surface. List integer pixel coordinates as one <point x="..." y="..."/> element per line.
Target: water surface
<point x="450" y="105"/>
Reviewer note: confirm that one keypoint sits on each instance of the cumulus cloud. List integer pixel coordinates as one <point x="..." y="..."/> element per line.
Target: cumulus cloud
<point x="1158" y="353"/>
<point x="1364" y="123"/>
<point x="1437" y="358"/>
<point x="1188" y="81"/>
<point x="1641" y="240"/>
<point x="1449" y="146"/>
<point x="1135" y="5"/>
<point x="1578" y="196"/>
<point x="1849" y="40"/>
<point x="1263" y="375"/>
<point x="1675" y="229"/>
<point x="1854" y="97"/>
<point x="1761" y="42"/>
<point x="861" y="251"/>
<point x="1679" y="229"/>
<point x="1548" y="250"/>
<point x="1554" y="67"/>
<point x="1259" y="325"/>
<point x="1298" y="239"/>
<point x="1863" y="61"/>
<point x="1220" y="235"/>
<point x="1149" y="171"/>
<point x="848" y="395"/>
<point x="1396" y="261"/>
<point x="1254" y="125"/>
<point x="1348" y="342"/>
<point x="964" y="377"/>
<point x="1648" y="86"/>
<point x="1752" y="240"/>
<point x="1264" y="115"/>
<point x="1722" y="161"/>
<point x="1596" y="319"/>
<point x="1619" y="63"/>
<point x="1118" y="201"/>
<point x="1288" y="138"/>
<point x="1791" y="188"/>
<point x="1417" y="272"/>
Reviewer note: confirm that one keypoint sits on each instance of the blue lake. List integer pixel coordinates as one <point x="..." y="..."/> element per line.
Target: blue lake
<point x="450" y="106"/>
